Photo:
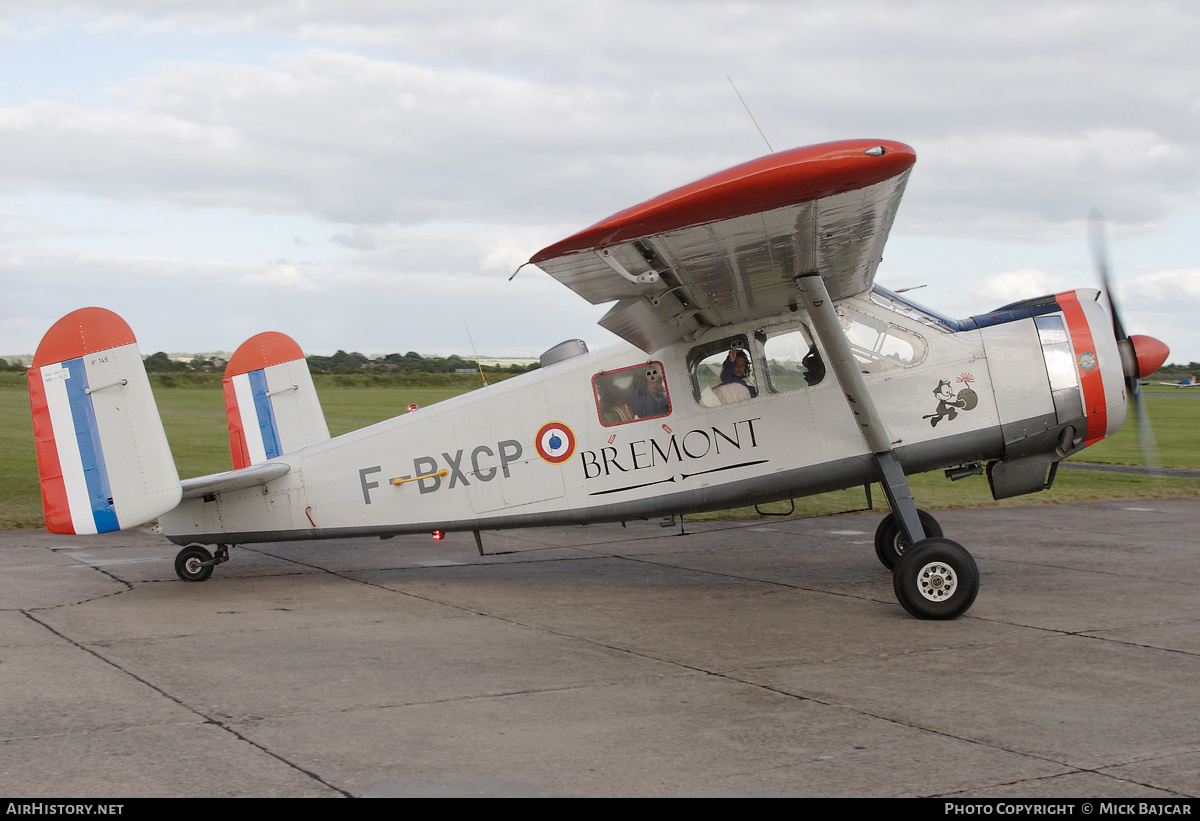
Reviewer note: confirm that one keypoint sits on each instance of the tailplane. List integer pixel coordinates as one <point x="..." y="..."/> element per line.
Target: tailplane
<point x="270" y="401"/>
<point x="102" y="454"/>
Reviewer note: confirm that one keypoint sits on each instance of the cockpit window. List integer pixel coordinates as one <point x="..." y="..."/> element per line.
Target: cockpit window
<point x="723" y="372"/>
<point x="879" y="345"/>
<point x="793" y="361"/>
<point x="630" y="394"/>
<point x="902" y="305"/>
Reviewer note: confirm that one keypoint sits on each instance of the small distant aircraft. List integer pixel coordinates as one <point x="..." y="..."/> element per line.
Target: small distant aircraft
<point x="1191" y="381"/>
<point x="761" y="363"/>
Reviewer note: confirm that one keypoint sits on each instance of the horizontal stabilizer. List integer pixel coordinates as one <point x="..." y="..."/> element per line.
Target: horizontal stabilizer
<point x="103" y="457"/>
<point x="271" y="403"/>
<point x="233" y="479"/>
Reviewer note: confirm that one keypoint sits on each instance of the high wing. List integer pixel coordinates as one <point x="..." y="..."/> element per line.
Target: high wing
<point x="729" y="247"/>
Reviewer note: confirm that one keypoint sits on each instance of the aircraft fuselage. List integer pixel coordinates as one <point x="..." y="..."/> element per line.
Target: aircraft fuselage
<point x="592" y="438"/>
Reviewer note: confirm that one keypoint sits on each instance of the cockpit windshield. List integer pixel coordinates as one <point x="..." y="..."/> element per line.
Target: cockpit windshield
<point x="894" y="302"/>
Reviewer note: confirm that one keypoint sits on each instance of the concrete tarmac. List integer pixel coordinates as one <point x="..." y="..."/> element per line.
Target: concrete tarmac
<point x="751" y="659"/>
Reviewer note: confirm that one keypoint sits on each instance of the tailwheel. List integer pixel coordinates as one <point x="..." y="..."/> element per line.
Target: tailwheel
<point x="195" y="564"/>
<point x="936" y="579"/>
<point x="890" y="542"/>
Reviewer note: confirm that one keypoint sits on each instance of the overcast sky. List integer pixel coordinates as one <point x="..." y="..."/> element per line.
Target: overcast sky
<point x="366" y="174"/>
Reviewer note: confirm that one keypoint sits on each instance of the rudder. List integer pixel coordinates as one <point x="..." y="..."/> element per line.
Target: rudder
<point x="271" y="404"/>
<point x="103" y="456"/>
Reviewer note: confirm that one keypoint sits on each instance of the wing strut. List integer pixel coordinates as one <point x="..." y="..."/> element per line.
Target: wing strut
<point x="845" y="368"/>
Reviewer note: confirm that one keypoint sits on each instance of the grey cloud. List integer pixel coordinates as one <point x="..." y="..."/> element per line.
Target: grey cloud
<point x="1028" y="113"/>
<point x="437" y="141"/>
<point x="358" y="239"/>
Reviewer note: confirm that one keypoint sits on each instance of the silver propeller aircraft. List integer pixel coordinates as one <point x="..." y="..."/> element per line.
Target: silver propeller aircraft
<point x="761" y="363"/>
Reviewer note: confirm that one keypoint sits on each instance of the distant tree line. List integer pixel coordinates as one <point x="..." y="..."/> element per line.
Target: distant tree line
<point x="411" y="362"/>
<point x="1171" y="371"/>
<point x="161" y="363"/>
<point x="342" y="362"/>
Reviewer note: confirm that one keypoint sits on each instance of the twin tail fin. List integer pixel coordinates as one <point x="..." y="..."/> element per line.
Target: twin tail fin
<point x="103" y="456"/>
<point x="271" y="404"/>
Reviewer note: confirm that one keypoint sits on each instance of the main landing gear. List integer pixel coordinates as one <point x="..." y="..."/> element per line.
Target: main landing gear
<point x="934" y="578"/>
<point x="195" y="564"/>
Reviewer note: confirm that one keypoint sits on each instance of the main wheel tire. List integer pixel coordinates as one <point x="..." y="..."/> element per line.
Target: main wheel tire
<point x="190" y="564"/>
<point x="890" y="543"/>
<point x="936" y="579"/>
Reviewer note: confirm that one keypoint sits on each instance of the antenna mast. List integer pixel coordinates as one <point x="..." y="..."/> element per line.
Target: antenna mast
<point x="477" y="364"/>
<point x="756" y="125"/>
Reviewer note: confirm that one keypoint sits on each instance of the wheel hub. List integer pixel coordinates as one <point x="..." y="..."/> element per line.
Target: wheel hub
<point x="937" y="581"/>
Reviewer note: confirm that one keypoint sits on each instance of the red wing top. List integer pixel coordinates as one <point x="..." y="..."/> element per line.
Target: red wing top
<point x="728" y="247"/>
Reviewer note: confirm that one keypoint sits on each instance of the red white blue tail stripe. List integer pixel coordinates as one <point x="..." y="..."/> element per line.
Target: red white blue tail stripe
<point x="259" y="430"/>
<point x="60" y="396"/>
<point x="270" y="402"/>
<point x="103" y="457"/>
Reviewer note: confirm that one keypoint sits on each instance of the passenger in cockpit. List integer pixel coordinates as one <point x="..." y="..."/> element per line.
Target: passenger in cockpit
<point x="650" y="397"/>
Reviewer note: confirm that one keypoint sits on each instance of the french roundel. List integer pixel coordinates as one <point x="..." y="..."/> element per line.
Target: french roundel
<point x="555" y="442"/>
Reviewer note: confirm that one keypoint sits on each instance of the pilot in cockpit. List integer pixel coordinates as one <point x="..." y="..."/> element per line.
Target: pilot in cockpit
<point x="736" y="369"/>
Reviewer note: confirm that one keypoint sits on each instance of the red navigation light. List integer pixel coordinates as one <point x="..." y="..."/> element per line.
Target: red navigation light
<point x="438" y="535"/>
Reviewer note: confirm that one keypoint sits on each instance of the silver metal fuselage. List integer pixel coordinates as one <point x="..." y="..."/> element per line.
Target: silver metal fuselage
<point x="774" y="446"/>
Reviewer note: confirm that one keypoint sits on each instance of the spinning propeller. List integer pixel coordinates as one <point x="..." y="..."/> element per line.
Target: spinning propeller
<point x="1140" y="355"/>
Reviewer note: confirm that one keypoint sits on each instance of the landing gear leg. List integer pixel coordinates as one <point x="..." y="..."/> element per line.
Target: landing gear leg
<point x="904" y="509"/>
<point x="935" y="578"/>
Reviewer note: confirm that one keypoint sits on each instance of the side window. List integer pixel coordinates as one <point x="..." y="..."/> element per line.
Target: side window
<point x="880" y="346"/>
<point x="792" y="361"/>
<point x="629" y="394"/>
<point x="723" y="372"/>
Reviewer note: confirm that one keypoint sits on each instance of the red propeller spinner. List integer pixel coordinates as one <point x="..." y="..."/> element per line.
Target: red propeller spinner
<point x="1142" y="355"/>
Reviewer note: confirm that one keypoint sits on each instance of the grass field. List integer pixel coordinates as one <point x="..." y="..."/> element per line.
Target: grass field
<point x="194" y="418"/>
